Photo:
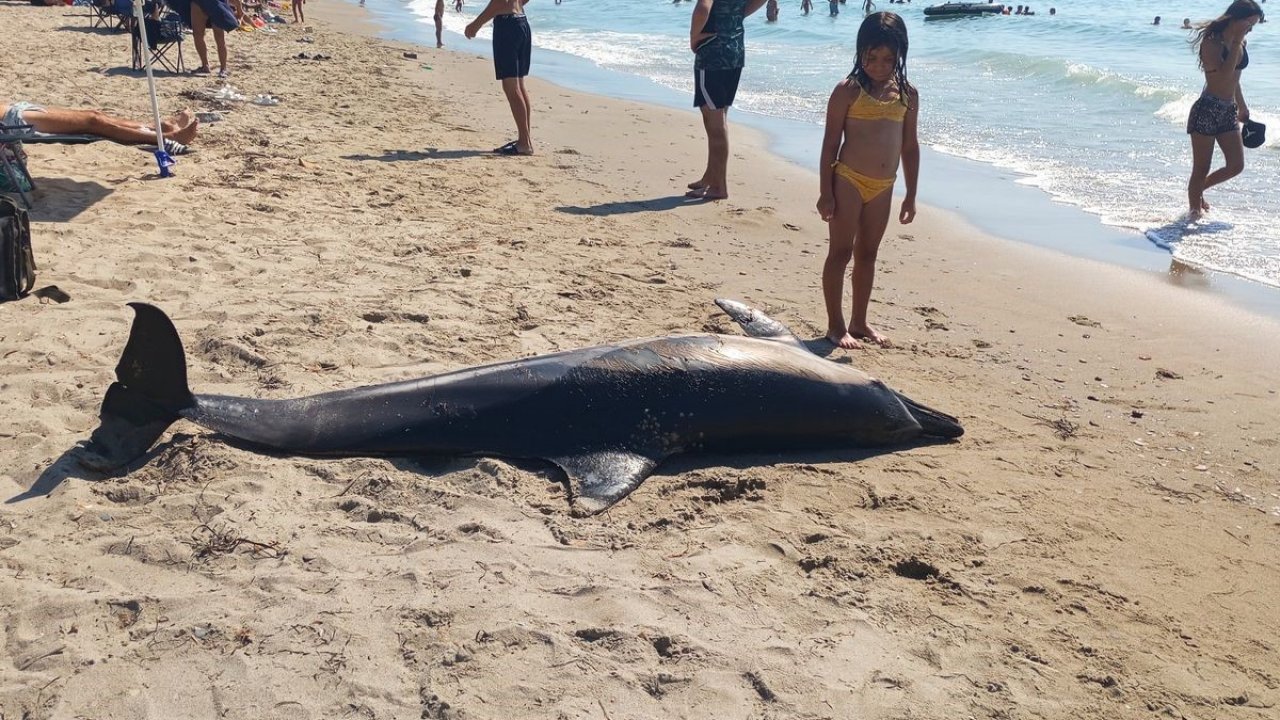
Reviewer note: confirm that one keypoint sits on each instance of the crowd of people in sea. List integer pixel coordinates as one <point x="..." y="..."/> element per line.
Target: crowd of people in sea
<point x="871" y="119"/>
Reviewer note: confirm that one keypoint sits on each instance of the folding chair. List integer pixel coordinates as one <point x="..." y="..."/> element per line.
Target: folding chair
<point x="100" y="16"/>
<point x="165" y="38"/>
<point x="13" y="160"/>
<point x="114" y="14"/>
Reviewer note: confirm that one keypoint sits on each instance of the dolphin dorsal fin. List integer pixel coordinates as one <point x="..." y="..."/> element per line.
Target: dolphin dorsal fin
<point x="757" y="324"/>
<point x="600" y="478"/>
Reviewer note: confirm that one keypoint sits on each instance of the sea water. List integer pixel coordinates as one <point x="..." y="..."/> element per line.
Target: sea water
<point x="1088" y="105"/>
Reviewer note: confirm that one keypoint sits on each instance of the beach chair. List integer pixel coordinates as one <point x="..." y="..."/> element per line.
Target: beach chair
<point x="13" y="160"/>
<point x="165" y="38"/>
<point x="113" y="15"/>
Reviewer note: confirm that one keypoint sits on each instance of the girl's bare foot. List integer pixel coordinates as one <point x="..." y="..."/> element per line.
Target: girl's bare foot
<point x="868" y="333"/>
<point x="842" y="339"/>
<point x="697" y="184"/>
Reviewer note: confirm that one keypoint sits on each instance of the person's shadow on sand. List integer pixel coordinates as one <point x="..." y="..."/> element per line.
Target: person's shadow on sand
<point x="625" y="207"/>
<point x="61" y="199"/>
<point x="427" y="154"/>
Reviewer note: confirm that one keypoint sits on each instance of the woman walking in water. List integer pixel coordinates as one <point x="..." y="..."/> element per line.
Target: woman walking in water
<point x="1217" y="115"/>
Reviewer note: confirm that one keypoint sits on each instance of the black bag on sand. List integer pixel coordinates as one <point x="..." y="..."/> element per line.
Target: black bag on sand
<point x="17" y="264"/>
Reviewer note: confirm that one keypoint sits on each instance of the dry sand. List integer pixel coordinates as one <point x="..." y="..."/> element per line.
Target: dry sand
<point x="1101" y="544"/>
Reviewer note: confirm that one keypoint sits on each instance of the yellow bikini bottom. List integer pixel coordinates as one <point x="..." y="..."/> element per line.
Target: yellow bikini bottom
<point x="867" y="187"/>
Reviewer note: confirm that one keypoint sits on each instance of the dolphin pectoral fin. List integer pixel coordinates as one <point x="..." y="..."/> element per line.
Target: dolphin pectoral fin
<point x="600" y="478"/>
<point x="757" y="324"/>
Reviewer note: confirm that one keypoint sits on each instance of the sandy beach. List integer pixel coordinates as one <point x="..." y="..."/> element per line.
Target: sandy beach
<point x="1102" y="543"/>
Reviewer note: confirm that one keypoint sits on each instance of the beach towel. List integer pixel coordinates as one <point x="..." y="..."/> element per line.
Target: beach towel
<point x="220" y="14"/>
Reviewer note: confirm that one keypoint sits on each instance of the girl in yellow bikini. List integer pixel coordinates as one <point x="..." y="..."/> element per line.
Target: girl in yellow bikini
<point x="871" y="128"/>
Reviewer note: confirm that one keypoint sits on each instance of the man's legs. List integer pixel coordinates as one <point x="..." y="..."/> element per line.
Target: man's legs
<point x="64" y="121"/>
<point x="518" y="99"/>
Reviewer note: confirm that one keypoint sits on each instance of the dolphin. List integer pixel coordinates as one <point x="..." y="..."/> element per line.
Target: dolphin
<point x="606" y="415"/>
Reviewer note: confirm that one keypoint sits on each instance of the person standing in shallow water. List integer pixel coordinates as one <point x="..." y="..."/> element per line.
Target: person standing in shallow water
<point x="870" y="130"/>
<point x="717" y="39"/>
<point x="1216" y="115"/>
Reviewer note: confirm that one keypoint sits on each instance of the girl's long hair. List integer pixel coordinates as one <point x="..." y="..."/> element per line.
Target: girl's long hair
<point x="1238" y="10"/>
<point x="886" y="29"/>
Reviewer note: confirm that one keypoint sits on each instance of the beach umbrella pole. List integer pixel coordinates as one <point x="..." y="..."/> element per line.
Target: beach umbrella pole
<point x="163" y="161"/>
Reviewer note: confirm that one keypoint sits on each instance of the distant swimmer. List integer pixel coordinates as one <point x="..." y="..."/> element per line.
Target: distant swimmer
<point x="1156" y="21"/>
<point x="835" y="8"/>
<point x="1186" y="24"/>
<point x="806" y="6"/>
<point x="771" y="11"/>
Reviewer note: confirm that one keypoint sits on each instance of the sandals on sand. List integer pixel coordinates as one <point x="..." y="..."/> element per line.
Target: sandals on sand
<point x="173" y="147"/>
<point x="511" y="148"/>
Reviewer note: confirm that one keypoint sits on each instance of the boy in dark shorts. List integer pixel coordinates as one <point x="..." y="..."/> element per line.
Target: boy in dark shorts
<point x="716" y="38"/>
<point x="512" y="43"/>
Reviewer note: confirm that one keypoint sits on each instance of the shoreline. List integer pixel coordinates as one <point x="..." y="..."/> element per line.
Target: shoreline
<point x="1115" y="480"/>
<point x="988" y="198"/>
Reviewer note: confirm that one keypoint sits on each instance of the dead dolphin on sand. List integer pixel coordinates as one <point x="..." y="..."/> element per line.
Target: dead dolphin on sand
<point x="606" y="415"/>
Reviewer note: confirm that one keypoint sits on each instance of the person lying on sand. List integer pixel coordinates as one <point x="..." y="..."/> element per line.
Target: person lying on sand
<point x="179" y="130"/>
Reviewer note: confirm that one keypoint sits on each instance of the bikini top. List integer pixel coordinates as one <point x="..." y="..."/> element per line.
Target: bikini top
<point x="1244" y="56"/>
<point x="865" y="107"/>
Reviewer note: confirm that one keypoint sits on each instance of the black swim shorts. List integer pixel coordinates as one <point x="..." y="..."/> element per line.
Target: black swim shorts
<point x="1211" y="115"/>
<point x="512" y="43"/>
<point x="715" y="89"/>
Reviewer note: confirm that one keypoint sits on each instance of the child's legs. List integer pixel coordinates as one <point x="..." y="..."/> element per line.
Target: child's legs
<point x="439" y="21"/>
<point x="716" y="123"/>
<point x="871" y="226"/>
<point x="842" y="232"/>
<point x="1233" y="152"/>
<point x="516" y="98"/>
<point x="199" y="22"/>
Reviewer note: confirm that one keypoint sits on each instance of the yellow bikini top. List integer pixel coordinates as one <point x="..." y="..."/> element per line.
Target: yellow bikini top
<point x="865" y="107"/>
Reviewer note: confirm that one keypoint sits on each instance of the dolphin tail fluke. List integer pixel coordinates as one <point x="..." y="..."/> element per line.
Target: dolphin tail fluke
<point x="932" y="422"/>
<point x="148" y="395"/>
<point x="757" y="324"/>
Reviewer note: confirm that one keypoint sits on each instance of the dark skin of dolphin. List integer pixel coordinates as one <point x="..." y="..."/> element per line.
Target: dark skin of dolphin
<point x="606" y="415"/>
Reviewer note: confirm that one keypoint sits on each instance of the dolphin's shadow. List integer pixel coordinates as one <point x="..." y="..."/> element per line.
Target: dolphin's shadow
<point x="436" y="466"/>
<point x="65" y="466"/>
<point x="69" y="464"/>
